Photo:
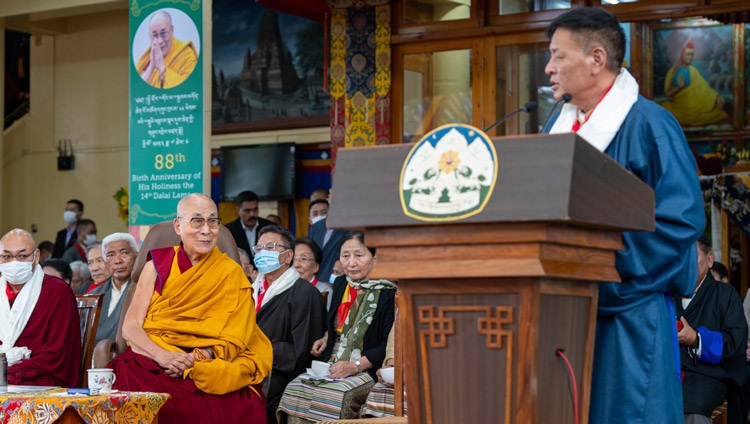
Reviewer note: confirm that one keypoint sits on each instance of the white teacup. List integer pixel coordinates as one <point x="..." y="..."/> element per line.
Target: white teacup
<point x="320" y="368"/>
<point x="387" y="374"/>
<point x="102" y="379"/>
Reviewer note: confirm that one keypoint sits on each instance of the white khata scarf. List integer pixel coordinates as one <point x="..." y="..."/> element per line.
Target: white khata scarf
<point x="282" y="284"/>
<point x="13" y="320"/>
<point x="608" y="115"/>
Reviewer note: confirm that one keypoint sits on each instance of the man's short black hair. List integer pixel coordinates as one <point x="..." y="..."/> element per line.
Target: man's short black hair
<point x="61" y="266"/>
<point x="246" y="196"/>
<point x="591" y="26"/>
<point x="77" y="203"/>
<point x="704" y="243"/>
<point x="721" y="270"/>
<point x="46" y="245"/>
<point x="317" y="202"/>
<point x="286" y="236"/>
<point x="85" y="222"/>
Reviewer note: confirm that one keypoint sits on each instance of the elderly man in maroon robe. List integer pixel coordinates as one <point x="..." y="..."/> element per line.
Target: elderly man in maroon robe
<point x="191" y="328"/>
<point x="39" y="325"/>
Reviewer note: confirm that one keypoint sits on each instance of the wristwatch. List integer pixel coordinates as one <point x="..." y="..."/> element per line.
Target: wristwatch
<point x="359" y="365"/>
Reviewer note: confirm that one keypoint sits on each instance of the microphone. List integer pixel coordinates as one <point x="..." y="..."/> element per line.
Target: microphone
<point x="564" y="99"/>
<point x="528" y="107"/>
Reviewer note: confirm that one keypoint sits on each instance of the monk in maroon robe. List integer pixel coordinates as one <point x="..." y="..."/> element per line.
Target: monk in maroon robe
<point x="191" y="328"/>
<point x="42" y="337"/>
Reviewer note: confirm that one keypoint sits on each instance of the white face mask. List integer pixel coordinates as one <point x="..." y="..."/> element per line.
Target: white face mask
<point x="17" y="272"/>
<point x="90" y="239"/>
<point x="318" y="218"/>
<point x="69" y="217"/>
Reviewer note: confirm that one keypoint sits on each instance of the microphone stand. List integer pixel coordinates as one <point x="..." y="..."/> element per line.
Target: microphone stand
<point x="564" y="99"/>
<point x="528" y="107"/>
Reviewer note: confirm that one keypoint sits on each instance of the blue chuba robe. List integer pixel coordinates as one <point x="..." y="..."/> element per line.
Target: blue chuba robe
<point x="636" y="363"/>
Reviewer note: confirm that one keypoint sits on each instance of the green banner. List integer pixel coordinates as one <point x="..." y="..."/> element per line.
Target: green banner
<point x="166" y="104"/>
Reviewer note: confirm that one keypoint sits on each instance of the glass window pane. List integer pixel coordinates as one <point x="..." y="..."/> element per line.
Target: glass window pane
<point x="507" y="7"/>
<point x="437" y="91"/>
<point x="425" y="11"/>
<point x="520" y="79"/>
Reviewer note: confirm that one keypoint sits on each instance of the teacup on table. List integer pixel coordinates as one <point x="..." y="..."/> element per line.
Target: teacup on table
<point x="102" y="379"/>
<point x="387" y="374"/>
<point x="320" y="369"/>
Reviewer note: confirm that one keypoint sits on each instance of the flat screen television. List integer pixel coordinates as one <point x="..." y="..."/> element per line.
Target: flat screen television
<point x="266" y="169"/>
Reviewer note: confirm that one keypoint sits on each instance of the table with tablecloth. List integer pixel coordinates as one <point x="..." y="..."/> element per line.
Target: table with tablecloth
<point x="50" y="405"/>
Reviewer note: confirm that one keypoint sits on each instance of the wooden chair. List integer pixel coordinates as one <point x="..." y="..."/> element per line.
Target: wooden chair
<point x="719" y="415"/>
<point x="160" y="235"/>
<point x="89" y="310"/>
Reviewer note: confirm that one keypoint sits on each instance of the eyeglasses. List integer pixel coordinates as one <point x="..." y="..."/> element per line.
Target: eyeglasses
<point x="302" y="259"/>
<point x="198" y="223"/>
<point x="21" y="257"/>
<point x="268" y="246"/>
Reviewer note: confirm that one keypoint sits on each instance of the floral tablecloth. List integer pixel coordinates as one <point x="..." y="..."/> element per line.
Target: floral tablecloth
<point x="44" y="407"/>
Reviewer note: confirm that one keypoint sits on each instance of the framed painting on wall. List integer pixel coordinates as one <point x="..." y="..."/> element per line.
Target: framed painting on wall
<point x="267" y="70"/>
<point x="694" y="73"/>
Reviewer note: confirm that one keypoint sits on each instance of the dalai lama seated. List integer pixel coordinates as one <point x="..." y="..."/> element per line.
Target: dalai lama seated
<point x="39" y="324"/>
<point x="191" y="328"/>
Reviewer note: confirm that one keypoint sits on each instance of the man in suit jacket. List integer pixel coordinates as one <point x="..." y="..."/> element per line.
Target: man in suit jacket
<point x="245" y="228"/>
<point x="329" y="241"/>
<point x="66" y="236"/>
<point x="119" y="250"/>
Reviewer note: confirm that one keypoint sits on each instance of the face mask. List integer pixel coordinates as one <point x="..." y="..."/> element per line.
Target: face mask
<point x="318" y="218"/>
<point x="69" y="217"/>
<point x="332" y="278"/>
<point x="267" y="261"/>
<point x="17" y="272"/>
<point x="90" y="239"/>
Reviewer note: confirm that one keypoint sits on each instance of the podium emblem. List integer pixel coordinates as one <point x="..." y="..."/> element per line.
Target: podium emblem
<point x="449" y="174"/>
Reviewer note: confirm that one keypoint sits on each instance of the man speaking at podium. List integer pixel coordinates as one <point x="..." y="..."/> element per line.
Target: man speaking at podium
<point x="636" y="362"/>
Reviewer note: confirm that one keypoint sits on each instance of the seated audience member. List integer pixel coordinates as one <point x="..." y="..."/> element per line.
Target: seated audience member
<point x="247" y="265"/>
<point x="80" y="276"/>
<point x="381" y="400"/>
<point x="191" y="328"/>
<point x="42" y="336"/>
<point x="58" y="268"/>
<point x="329" y="240"/>
<point x="46" y="248"/>
<point x="720" y="272"/>
<point x="712" y="341"/>
<point x="97" y="268"/>
<point x="337" y="271"/>
<point x="289" y="310"/>
<point x="245" y="228"/>
<point x="119" y="251"/>
<point x="85" y="236"/>
<point x="275" y="219"/>
<point x="738" y="406"/>
<point x="359" y="321"/>
<point x="307" y="258"/>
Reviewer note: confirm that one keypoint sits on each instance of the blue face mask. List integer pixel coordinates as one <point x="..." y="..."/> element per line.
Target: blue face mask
<point x="267" y="261"/>
<point x="331" y="278"/>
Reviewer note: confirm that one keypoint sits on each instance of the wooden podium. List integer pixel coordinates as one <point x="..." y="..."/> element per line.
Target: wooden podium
<point x="488" y="300"/>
